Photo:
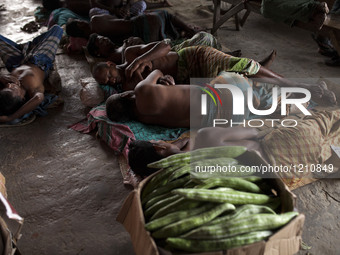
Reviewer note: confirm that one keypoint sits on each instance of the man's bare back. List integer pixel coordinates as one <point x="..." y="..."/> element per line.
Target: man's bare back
<point x="163" y="105"/>
<point x="152" y="102"/>
<point x="170" y="106"/>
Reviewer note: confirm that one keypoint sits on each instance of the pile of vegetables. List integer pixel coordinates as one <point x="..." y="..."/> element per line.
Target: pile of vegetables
<point x="203" y="212"/>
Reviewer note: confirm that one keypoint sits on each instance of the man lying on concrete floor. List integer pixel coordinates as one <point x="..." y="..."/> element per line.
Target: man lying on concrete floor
<point x="103" y="47"/>
<point x="22" y="90"/>
<point x="157" y="101"/>
<point x="152" y="103"/>
<point x="150" y="27"/>
<point x="197" y="62"/>
<point x="120" y="10"/>
<point x="307" y="143"/>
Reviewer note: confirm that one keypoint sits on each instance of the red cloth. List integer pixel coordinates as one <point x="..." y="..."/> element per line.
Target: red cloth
<point x="116" y="136"/>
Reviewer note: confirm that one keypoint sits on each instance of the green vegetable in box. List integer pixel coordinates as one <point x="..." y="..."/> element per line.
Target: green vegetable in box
<point x="202" y="212"/>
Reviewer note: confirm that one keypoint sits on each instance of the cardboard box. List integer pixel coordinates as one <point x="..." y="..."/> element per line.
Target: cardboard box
<point x="3" y="190"/>
<point x="286" y="241"/>
<point x="10" y="223"/>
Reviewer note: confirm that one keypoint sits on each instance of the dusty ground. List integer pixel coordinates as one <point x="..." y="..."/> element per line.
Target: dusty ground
<point x="68" y="186"/>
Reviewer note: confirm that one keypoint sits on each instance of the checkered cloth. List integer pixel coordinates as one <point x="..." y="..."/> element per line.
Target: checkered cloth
<point x="118" y="135"/>
<point x="307" y="143"/>
<point x="41" y="51"/>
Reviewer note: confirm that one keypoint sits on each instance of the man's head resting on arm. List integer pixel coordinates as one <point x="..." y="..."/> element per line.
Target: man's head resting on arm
<point x="106" y="73"/>
<point x="12" y="97"/>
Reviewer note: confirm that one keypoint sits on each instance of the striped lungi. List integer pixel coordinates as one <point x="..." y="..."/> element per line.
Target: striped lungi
<point x="40" y="51"/>
<point x="207" y="62"/>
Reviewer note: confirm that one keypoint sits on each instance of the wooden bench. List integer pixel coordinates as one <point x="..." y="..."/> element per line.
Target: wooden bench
<point x="236" y="7"/>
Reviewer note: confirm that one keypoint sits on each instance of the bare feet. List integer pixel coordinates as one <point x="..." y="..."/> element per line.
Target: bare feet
<point x="322" y="8"/>
<point x="321" y="94"/>
<point x="318" y="20"/>
<point x="267" y="61"/>
<point x="320" y="15"/>
<point x="328" y="96"/>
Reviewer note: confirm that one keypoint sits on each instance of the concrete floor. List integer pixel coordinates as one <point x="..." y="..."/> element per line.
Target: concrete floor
<point x="68" y="186"/>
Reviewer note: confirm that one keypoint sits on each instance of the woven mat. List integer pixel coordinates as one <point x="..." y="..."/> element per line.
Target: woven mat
<point x="24" y="122"/>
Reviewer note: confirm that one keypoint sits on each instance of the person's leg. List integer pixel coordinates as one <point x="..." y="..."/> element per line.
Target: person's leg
<point x="318" y="91"/>
<point x="44" y="47"/>
<point x="200" y="39"/>
<point x="334" y="61"/>
<point x="325" y="46"/>
<point x="253" y="69"/>
<point x="210" y="62"/>
<point x="190" y="30"/>
<point x="267" y="61"/>
<point x="320" y="14"/>
<point x="165" y="3"/>
<point x="137" y="8"/>
<point x="152" y="28"/>
<point x="11" y="53"/>
<point x="207" y="62"/>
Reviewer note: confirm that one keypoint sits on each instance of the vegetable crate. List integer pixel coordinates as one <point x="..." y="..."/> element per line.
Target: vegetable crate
<point x="285" y="241"/>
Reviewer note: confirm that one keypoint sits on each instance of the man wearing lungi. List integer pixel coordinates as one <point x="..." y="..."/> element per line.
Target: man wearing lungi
<point x="156" y="100"/>
<point x="22" y="90"/>
<point x="101" y="46"/>
<point x="196" y="62"/>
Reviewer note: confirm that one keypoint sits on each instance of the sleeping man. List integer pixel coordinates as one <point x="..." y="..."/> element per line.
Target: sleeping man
<point x="157" y="101"/>
<point x="153" y="103"/>
<point x="103" y="47"/>
<point x="22" y="90"/>
<point x="305" y="144"/>
<point x="195" y="62"/>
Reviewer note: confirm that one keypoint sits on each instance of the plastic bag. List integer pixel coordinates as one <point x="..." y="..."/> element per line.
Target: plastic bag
<point x="91" y="94"/>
